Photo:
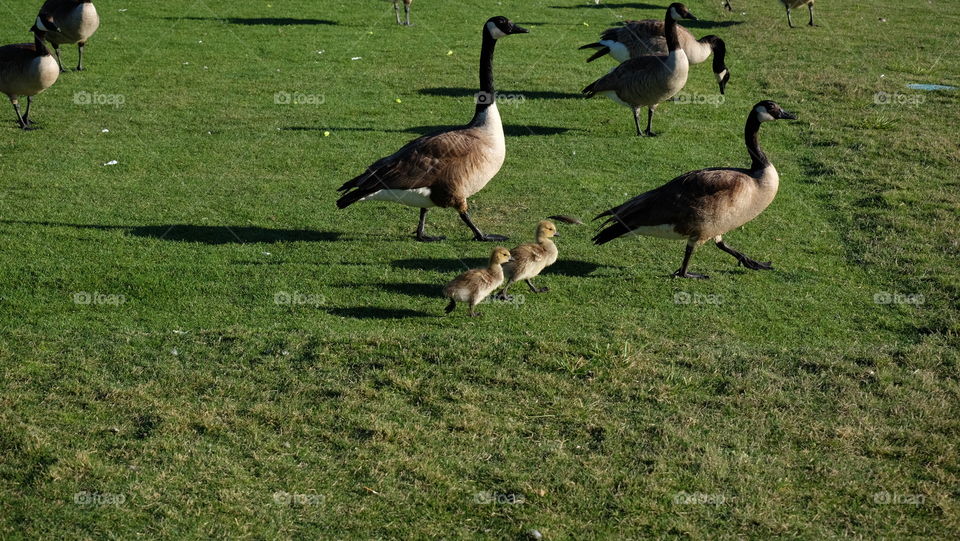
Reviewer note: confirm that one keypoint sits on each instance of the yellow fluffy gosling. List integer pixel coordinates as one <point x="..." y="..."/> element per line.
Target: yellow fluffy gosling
<point x="475" y="285"/>
<point x="530" y="259"/>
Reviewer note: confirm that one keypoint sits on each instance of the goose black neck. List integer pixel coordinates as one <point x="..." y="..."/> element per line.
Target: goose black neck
<point x="719" y="52"/>
<point x="751" y="136"/>
<point x="670" y="32"/>
<point x="38" y="44"/>
<point x="488" y="94"/>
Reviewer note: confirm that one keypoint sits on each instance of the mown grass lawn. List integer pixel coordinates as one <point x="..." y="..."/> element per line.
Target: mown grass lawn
<point x="184" y="401"/>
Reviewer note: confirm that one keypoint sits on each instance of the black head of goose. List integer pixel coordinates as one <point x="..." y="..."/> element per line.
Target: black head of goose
<point x="790" y="4"/>
<point x="646" y="37"/>
<point x="406" y="9"/>
<point x="77" y="20"/>
<point x="27" y="69"/>
<point x="704" y="204"/>
<point x="444" y="168"/>
<point x="646" y="81"/>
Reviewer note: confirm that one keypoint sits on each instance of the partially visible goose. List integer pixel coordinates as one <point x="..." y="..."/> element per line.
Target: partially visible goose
<point x="646" y="37"/>
<point x="727" y="6"/>
<point x="444" y="168"/>
<point x="530" y="259"/>
<point x="790" y="4"/>
<point x="475" y="285"/>
<point x="648" y="80"/>
<point x="705" y="204"/>
<point x="406" y="8"/>
<point x="27" y="69"/>
<point x="77" y="21"/>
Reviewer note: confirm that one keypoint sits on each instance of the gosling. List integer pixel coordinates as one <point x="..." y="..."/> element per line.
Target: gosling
<point x="475" y="285"/>
<point x="530" y="259"/>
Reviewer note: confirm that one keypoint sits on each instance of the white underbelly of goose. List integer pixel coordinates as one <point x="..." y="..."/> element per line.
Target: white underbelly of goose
<point x="419" y="197"/>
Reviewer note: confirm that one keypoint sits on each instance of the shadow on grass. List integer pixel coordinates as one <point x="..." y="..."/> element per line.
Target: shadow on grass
<point x="510" y="130"/>
<point x="461" y="92"/>
<point x="373" y="312"/>
<point x="563" y="267"/>
<point x="258" y="21"/>
<point x="608" y="5"/>
<point x="204" y="234"/>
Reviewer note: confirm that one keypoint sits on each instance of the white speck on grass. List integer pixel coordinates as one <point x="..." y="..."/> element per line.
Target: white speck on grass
<point x="174" y="351"/>
<point x="265" y="253"/>
<point x="112" y="162"/>
<point x="104" y="131"/>
<point x="356" y="58"/>
<point x="178" y="331"/>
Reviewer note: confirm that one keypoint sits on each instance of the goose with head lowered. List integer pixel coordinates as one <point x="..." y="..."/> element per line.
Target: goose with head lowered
<point x="646" y="37"/>
<point x="77" y="20"/>
<point x="705" y="204"/>
<point x="27" y="69"/>
<point x="444" y="168"/>
<point x="646" y="81"/>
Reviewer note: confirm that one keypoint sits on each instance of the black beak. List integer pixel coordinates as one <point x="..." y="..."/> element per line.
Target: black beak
<point x="723" y="82"/>
<point x="556" y="234"/>
<point x="690" y="16"/>
<point x="786" y="115"/>
<point x="517" y="29"/>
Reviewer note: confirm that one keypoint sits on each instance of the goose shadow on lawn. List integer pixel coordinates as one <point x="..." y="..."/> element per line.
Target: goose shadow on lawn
<point x="608" y="5"/>
<point x="258" y="21"/>
<point x="376" y="312"/>
<point x="563" y="267"/>
<point x="509" y="130"/>
<point x="463" y="92"/>
<point x="204" y="234"/>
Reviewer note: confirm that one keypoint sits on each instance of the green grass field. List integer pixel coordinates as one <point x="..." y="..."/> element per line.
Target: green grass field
<point x="151" y="384"/>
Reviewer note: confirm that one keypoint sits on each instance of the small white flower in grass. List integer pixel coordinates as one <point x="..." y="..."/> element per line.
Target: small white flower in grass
<point x="104" y="131"/>
<point x="112" y="162"/>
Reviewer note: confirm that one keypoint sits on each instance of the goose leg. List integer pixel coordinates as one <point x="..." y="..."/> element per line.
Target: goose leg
<point x="682" y="271"/>
<point x="26" y="114"/>
<point x="56" y="52"/>
<point x="406" y="8"/>
<point x="473" y="310"/>
<point x="650" y="111"/>
<point x="636" y="120"/>
<point x="80" y="62"/>
<point x="503" y="292"/>
<point x="789" y="19"/>
<point x="423" y="222"/>
<point x="396" y="10"/>
<point x="536" y="289"/>
<point x="810" y="7"/>
<point x="450" y="307"/>
<point x="744" y="260"/>
<point x="16" y="109"/>
<point x="477" y="234"/>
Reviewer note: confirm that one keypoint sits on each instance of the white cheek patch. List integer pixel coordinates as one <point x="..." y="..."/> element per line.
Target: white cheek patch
<point x="495" y="32"/>
<point x="40" y="25"/>
<point x="763" y="115"/>
<point x="674" y="15"/>
<point x="721" y="75"/>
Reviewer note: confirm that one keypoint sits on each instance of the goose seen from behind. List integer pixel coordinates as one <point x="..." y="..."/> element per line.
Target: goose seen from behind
<point x="27" y="69"/>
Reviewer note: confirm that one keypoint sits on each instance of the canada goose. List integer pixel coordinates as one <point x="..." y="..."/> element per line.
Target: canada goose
<point x="475" y="285"/>
<point x="704" y="204"/>
<point x="530" y="259"/>
<point x="444" y="168"/>
<point x="648" y="80"/>
<point x="641" y="38"/>
<point x="790" y="4"/>
<point x="77" y="20"/>
<point x="27" y="69"/>
<point x="406" y="8"/>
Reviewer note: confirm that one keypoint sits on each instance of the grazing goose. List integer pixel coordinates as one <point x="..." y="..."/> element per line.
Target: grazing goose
<point x="529" y="260"/>
<point x="77" y="20"/>
<point x="475" y="285"/>
<point x="648" y="80"/>
<point x="27" y="69"/>
<point x="406" y="8"/>
<point x="704" y="204"/>
<point x="790" y="4"/>
<point x="646" y="37"/>
<point x="444" y="168"/>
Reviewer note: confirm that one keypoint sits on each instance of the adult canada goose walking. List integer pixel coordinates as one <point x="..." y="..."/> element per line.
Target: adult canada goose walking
<point x="790" y="4"/>
<point x="646" y="81"/>
<point x="406" y="8"/>
<point x="646" y="37"/>
<point x="444" y="168"/>
<point x="27" y="69"/>
<point x="705" y="204"/>
<point x="77" y="20"/>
